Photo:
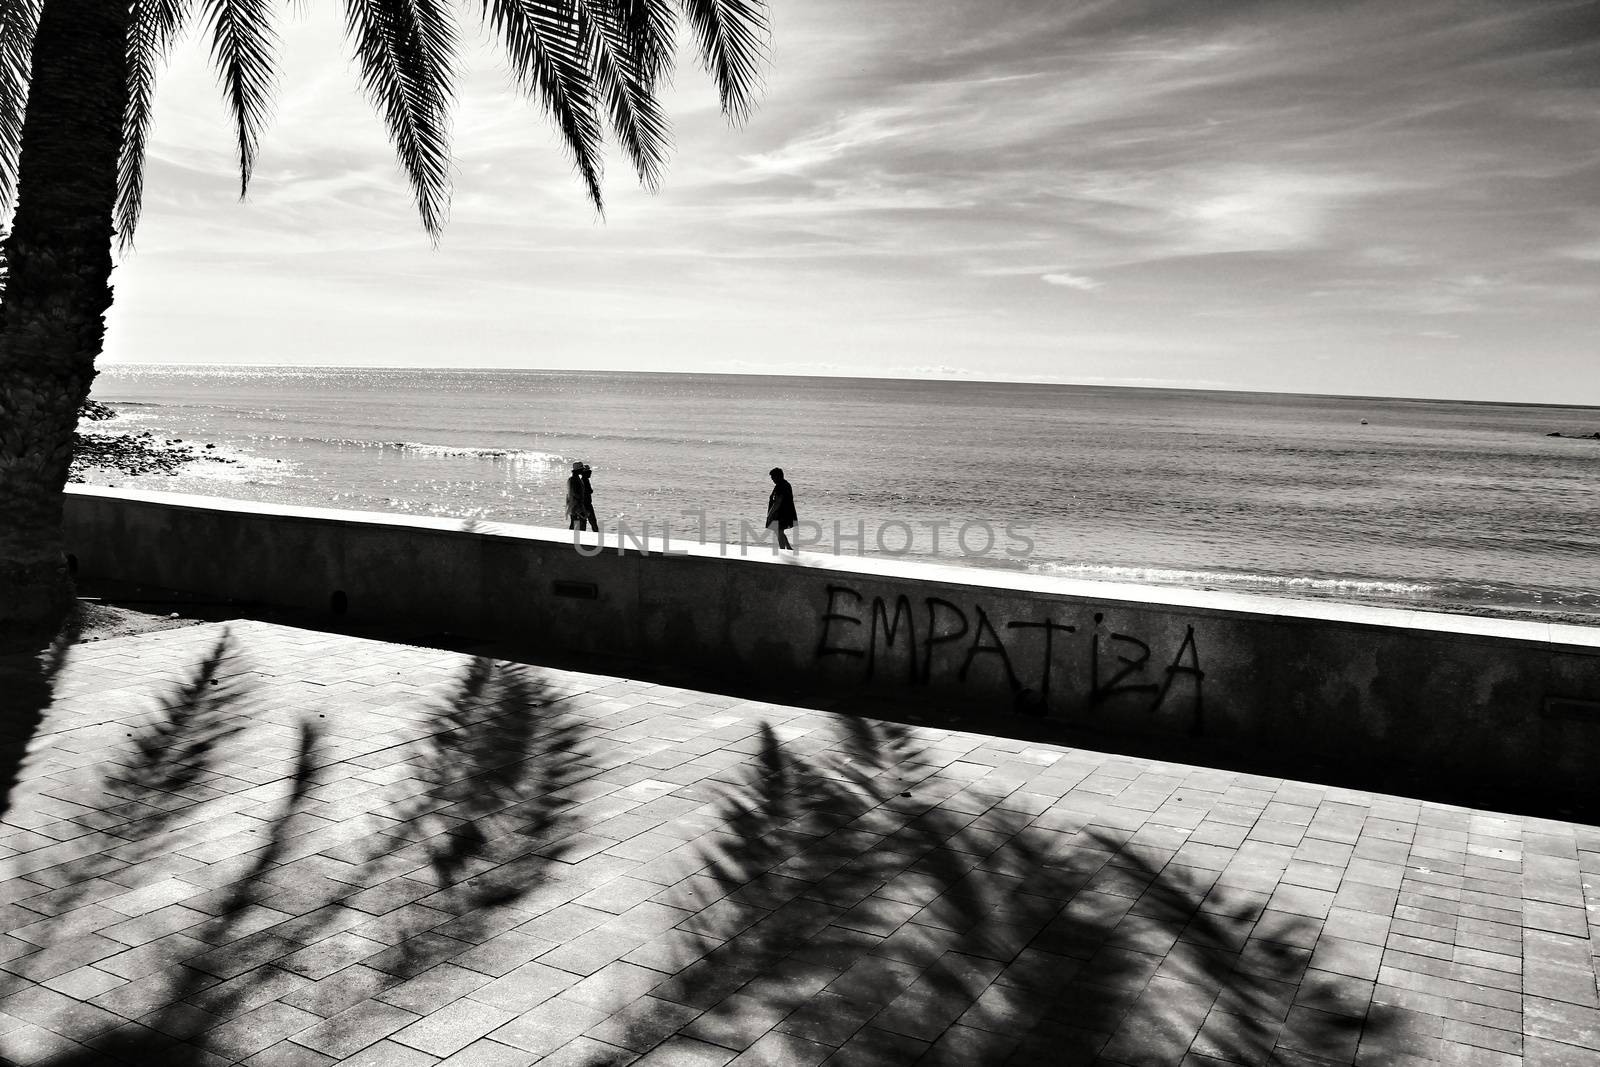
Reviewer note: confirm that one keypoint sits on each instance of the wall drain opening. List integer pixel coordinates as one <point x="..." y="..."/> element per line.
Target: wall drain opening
<point x="1568" y="708"/>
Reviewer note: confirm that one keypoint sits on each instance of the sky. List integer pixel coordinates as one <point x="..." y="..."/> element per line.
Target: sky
<point x="1391" y="198"/>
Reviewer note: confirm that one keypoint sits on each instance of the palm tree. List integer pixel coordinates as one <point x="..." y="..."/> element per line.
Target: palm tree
<point x="77" y="81"/>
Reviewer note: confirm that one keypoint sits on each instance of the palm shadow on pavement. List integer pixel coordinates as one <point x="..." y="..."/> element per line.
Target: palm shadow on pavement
<point x="869" y="906"/>
<point x="206" y="939"/>
<point x="152" y="800"/>
<point x="855" y="893"/>
<point x="27" y="689"/>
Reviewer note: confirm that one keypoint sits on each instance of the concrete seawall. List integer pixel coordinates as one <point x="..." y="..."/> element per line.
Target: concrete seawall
<point x="1513" y="702"/>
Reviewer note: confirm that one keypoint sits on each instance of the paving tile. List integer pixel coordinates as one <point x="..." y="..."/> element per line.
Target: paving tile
<point x="737" y="1022"/>
<point x="243" y="955"/>
<point x="416" y="954"/>
<point x="355" y="1028"/>
<point x="1552" y="1019"/>
<point x="387" y="1053"/>
<point x="686" y="1052"/>
<point x="878" y="1047"/>
<point x="85" y="983"/>
<point x="432" y="989"/>
<point x="1301" y="900"/>
<point x="563" y="923"/>
<point x="524" y="987"/>
<point x="927" y="1007"/>
<point x="962" y="1045"/>
<point x="340" y="990"/>
<point x="256" y="1030"/>
<point x="1320" y="1033"/>
<point x="615" y="986"/>
<point x="289" y="1054"/>
<point x="1235" y="1038"/>
<point x="28" y="1043"/>
<point x="59" y="1013"/>
<point x="550" y="1026"/>
<point x="1575" y="985"/>
<point x="1555" y="918"/>
<point x="1542" y="1052"/>
<point x="403" y="923"/>
<point x="827" y="1019"/>
<point x="329" y="955"/>
<point x="643" y="1024"/>
<point x="486" y="1053"/>
<point x="592" y="950"/>
<point x="247" y="991"/>
<point x="587" y="1052"/>
<point x="1342" y="956"/>
<point x="452" y="1027"/>
<point x="505" y="952"/>
<point x="786" y="1050"/>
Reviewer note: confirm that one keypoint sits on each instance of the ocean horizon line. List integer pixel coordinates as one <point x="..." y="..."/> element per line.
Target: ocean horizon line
<point x="1219" y="390"/>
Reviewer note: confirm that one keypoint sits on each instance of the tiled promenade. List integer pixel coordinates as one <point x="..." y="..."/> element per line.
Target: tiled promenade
<point x="261" y="845"/>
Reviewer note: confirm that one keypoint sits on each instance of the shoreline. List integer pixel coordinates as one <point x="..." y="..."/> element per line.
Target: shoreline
<point x="1485" y="611"/>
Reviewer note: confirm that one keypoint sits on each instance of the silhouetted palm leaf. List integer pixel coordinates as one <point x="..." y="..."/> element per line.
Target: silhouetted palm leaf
<point x="544" y="44"/>
<point x="243" y="46"/>
<point x="18" y="20"/>
<point x="577" y="58"/>
<point x="733" y="44"/>
<point x="154" y="26"/>
<point x="406" y="52"/>
<point x="649" y="27"/>
<point x="625" y="71"/>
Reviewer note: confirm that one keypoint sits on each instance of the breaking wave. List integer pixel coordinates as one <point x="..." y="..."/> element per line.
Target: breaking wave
<point x="417" y="448"/>
<point x="1239" y="580"/>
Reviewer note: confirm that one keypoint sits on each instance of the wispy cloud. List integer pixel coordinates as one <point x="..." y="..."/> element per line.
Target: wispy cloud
<point x="1073" y="281"/>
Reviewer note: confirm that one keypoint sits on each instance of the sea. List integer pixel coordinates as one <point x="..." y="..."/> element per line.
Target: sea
<point x="1425" y="504"/>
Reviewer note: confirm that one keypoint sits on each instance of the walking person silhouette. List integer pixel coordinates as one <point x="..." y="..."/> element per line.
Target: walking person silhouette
<point x="781" y="515"/>
<point x="588" y="499"/>
<point x="580" y="500"/>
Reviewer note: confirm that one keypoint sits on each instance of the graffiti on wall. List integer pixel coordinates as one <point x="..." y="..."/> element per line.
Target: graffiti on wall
<point x="1036" y="658"/>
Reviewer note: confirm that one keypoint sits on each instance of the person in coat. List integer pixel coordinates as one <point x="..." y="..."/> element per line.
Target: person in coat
<point x="781" y="515"/>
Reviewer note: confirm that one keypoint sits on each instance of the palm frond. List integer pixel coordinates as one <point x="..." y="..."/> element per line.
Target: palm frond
<point x="406" y="49"/>
<point x="650" y="27"/>
<point x="626" y="69"/>
<point x="19" y="19"/>
<point x="544" y="43"/>
<point x="152" y="27"/>
<point x="244" y="46"/>
<point x="734" y="37"/>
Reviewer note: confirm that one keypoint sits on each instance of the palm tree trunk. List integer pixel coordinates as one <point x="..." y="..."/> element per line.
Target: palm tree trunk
<point x="52" y="320"/>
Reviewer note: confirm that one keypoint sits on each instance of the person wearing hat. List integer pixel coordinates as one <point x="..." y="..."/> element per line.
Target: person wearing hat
<point x="580" y="500"/>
